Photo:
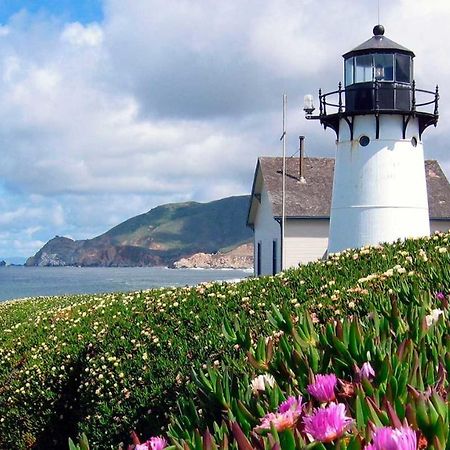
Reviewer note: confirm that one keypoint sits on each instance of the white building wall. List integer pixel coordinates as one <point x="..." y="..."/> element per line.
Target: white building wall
<point x="267" y="229"/>
<point x="306" y="240"/>
<point x="379" y="191"/>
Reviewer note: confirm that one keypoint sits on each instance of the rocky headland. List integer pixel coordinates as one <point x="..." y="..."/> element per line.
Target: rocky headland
<point x="161" y="237"/>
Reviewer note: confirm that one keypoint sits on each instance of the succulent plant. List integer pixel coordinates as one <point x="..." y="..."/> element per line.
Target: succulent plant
<point x="387" y="369"/>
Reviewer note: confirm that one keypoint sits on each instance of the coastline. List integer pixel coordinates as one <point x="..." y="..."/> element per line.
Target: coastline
<point x="20" y="281"/>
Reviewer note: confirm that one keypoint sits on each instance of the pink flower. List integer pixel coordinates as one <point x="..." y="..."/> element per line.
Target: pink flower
<point x="387" y="438"/>
<point x="367" y="371"/>
<point x="157" y="443"/>
<point x="439" y="295"/>
<point x="291" y="404"/>
<point x="154" y="443"/>
<point x="323" y="388"/>
<point x="286" y="417"/>
<point x="327" y="424"/>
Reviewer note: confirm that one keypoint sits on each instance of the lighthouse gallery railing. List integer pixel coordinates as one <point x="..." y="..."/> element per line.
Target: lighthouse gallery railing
<point x="377" y="98"/>
<point x="377" y="91"/>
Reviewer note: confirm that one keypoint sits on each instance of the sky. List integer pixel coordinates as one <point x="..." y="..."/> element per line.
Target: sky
<point x="109" y="108"/>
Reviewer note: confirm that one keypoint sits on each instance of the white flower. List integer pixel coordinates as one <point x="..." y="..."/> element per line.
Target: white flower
<point x="259" y="383"/>
<point x="433" y="317"/>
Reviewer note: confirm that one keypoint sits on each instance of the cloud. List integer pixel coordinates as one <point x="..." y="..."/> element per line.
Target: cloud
<point x="4" y="31"/>
<point x="82" y="35"/>
<point x="173" y="101"/>
<point x="209" y="59"/>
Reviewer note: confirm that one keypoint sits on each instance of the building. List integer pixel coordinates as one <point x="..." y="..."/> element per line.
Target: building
<point x="308" y="207"/>
<point x="379" y="116"/>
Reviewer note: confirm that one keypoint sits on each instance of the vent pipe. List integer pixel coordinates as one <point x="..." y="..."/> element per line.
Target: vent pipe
<point x="301" y="160"/>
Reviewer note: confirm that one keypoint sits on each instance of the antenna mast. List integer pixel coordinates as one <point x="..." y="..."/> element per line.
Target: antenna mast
<point x="283" y="189"/>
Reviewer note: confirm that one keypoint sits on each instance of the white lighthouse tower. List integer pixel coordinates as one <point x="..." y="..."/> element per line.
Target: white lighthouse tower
<point x="379" y="187"/>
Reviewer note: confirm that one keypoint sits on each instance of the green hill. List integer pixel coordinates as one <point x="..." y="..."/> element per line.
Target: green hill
<point x="187" y="226"/>
<point x="158" y="237"/>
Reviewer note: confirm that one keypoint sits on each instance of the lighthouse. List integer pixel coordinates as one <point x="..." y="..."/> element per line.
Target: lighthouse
<point x="379" y="116"/>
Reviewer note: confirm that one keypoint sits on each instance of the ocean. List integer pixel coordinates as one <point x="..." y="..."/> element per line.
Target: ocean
<point x="19" y="282"/>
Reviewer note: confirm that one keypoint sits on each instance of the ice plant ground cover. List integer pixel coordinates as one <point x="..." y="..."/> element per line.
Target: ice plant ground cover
<point x="324" y="395"/>
<point x="106" y="364"/>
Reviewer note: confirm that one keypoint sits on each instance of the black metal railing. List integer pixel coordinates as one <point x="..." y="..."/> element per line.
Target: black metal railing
<point x="376" y="97"/>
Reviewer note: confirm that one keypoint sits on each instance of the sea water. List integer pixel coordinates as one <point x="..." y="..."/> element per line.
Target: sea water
<point x="20" y="282"/>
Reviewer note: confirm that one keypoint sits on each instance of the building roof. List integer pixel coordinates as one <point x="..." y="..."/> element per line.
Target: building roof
<point x="312" y="199"/>
<point x="378" y="44"/>
<point x="438" y="191"/>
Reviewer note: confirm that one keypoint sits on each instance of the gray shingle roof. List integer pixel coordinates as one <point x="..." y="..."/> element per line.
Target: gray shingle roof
<point x="313" y="198"/>
<point x="438" y="191"/>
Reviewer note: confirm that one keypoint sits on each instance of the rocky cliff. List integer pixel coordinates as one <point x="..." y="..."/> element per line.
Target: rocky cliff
<point x="159" y="237"/>
<point x="61" y="251"/>
<point x="239" y="258"/>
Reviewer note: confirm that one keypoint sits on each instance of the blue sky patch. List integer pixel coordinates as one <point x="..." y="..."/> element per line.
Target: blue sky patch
<point x="84" y="11"/>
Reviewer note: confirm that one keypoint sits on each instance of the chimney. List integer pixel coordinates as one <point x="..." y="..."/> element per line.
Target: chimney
<point x="301" y="160"/>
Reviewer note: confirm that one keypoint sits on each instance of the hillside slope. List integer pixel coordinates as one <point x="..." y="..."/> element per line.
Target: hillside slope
<point x="106" y="364"/>
<point x="157" y="238"/>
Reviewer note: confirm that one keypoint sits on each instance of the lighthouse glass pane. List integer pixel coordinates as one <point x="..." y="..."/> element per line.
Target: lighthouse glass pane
<point x="363" y="68"/>
<point x="403" y="68"/>
<point x="349" y="71"/>
<point x="383" y="67"/>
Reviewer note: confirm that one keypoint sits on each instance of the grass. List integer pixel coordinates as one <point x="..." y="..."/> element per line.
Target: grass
<point x="106" y="364"/>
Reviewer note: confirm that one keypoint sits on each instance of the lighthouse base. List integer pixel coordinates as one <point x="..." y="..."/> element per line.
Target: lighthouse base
<point x="379" y="187"/>
<point x="372" y="226"/>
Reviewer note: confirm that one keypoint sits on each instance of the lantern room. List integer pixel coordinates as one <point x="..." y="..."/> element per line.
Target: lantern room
<point x="378" y="80"/>
<point x="378" y="75"/>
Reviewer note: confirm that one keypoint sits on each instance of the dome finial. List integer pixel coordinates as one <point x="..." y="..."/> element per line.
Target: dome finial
<point x="378" y="30"/>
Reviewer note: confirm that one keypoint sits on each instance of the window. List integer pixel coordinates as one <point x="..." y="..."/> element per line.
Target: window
<point x="383" y="67"/>
<point x="378" y="67"/>
<point x="349" y="71"/>
<point x="258" y="259"/>
<point x="403" y="68"/>
<point x="274" y="257"/>
<point x="364" y="141"/>
<point x="363" y="68"/>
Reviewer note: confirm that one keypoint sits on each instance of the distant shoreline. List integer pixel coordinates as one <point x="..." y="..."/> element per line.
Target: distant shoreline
<point x="244" y="269"/>
<point x="21" y="281"/>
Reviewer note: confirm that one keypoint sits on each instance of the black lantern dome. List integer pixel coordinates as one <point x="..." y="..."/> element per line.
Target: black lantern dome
<point x="378" y="43"/>
<point x="379" y="80"/>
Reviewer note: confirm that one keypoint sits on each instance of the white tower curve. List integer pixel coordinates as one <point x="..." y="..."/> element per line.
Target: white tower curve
<point x="379" y="187"/>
